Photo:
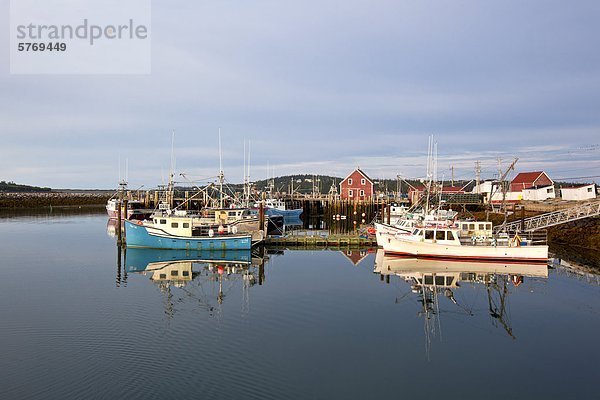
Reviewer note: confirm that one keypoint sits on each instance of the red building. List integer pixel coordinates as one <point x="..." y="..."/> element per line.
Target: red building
<point x="357" y="186"/>
<point x="527" y="180"/>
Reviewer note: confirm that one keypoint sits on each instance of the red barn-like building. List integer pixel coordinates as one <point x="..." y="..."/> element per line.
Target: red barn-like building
<point x="357" y="186"/>
<point x="527" y="180"/>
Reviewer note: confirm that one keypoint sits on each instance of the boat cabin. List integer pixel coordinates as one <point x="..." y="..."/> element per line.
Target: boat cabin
<point x="469" y="229"/>
<point x="437" y="234"/>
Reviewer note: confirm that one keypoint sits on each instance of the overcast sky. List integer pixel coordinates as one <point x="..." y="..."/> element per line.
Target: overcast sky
<point x="320" y="87"/>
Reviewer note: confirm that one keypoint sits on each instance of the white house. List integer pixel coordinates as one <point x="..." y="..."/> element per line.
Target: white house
<point x="586" y="192"/>
<point x="539" y="193"/>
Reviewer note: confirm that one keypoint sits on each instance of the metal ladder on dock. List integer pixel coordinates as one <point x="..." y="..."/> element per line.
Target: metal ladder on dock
<point x="553" y="218"/>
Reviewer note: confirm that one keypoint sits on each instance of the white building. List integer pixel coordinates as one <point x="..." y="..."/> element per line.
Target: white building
<point x="492" y="193"/>
<point x="586" y="192"/>
<point x="539" y="193"/>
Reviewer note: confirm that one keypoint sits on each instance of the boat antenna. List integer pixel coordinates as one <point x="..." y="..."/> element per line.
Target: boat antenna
<point x="248" y="172"/>
<point x="221" y="174"/>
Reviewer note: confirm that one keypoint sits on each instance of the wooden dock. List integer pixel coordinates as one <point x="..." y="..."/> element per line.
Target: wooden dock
<point x="320" y="241"/>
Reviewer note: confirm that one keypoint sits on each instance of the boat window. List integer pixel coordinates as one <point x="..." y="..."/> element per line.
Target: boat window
<point x="174" y="225"/>
<point x="185" y="273"/>
<point x="428" y="234"/>
<point x="163" y="221"/>
<point x="163" y="276"/>
<point x="471" y="227"/>
<point x="232" y="213"/>
<point x="415" y="232"/>
<point x="155" y="221"/>
<point x="449" y="280"/>
<point x="450" y="235"/>
<point x="439" y="235"/>
<point x="174" y="272"/>
<point x="439" y="280"/>
<point x="428" y="279"/>
<point x="186" y="224"/>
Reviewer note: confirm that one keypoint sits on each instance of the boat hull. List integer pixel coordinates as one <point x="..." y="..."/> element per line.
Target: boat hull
<point x="383" y="230"/>
<point x="397" y="245"/>
<point x="142" y="236"/>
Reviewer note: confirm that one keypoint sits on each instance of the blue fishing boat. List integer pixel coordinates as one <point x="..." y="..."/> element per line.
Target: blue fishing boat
<point x="278" y="207"/>
<point x="179" y="233"/>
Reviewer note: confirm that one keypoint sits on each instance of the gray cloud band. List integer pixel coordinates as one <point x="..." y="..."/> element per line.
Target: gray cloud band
<point x="83" y="31"/>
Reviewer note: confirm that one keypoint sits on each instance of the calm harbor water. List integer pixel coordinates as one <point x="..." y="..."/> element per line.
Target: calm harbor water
<point x="77" y="324"/>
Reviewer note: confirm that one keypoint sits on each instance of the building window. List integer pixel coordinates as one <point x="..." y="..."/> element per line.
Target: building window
<point x="349" y="181"/>
<point x="363" y="182"/>
<point x="350" y="193"/>
<point x="362" y="193"/>
<point x="590" y="189"/>
<point x="549" y="190"/>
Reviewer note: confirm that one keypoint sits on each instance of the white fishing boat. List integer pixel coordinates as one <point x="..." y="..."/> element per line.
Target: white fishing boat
<point x="135" y="209"/>
<point x="451" y="242"/>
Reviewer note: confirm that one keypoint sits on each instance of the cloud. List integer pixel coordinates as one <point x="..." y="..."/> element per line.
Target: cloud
<point x="320" y="87"/>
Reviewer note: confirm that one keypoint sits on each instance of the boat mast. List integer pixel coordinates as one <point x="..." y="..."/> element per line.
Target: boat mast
<point x="171" y="184"/>
<point x="221" y="174"/>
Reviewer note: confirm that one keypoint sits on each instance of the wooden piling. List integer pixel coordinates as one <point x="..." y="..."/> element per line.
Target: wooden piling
<point x="124" y="208"/>
<point x="119" y="222"/>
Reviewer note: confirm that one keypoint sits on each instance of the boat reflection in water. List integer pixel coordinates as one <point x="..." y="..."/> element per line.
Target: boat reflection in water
<point x="204" y="276"/>
<point x="431" y="279"/>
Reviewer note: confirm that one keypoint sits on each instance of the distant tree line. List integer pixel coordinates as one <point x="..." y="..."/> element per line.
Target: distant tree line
<point x="14" y="187"/>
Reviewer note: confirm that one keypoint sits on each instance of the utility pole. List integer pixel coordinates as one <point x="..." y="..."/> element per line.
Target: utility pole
<point x="478" y="176"/>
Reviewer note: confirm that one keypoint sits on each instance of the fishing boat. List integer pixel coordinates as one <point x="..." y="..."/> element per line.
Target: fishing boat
<point x="135" y="210"/>
<point x="450" y="242"/>
<point x="173" y="232"/>
<point x="278" y="207"/>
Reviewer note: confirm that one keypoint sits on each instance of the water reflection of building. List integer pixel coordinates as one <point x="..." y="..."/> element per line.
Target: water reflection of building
<point x="355" y="256"/>
<point x="204" y="276"/>
<point x="433" y="280"/>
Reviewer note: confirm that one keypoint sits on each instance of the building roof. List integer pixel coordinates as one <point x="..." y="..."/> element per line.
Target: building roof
<point x="578" y="187"/>
<point x="360" y="171"/>
<point x="527" y="177"/>
<point x="445" y="189"/>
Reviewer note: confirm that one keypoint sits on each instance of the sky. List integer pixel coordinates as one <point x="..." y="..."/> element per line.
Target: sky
<point x="319" y="87"/>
